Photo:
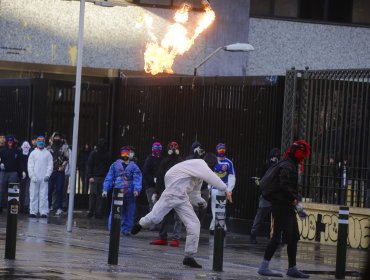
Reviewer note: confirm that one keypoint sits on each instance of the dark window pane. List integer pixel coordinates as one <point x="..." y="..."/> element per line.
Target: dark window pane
<point x="261" y="7"/>
<point x="156" y="2"/>
<point x="194" y="3"/>
<point x="286" y="8"/>
<point x="340" y="10"/>
<point x="312" y="9"/>
<point x="361" y="11"/>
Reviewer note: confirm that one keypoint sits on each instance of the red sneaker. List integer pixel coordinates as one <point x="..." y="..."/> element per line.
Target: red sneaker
<point x="159" y="242"/>
<point x="175" y="243"/>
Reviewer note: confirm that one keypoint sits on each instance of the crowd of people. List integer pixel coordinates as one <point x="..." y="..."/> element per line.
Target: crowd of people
<point x="177" y="188"/>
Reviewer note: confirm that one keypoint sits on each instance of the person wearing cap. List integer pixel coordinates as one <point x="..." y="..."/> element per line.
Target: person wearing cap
<point x="125" y="174"/>
<point x="10" y="164"/>
<point x="225" y="170"/>
<point x="285" y="207"/>
<point x="150" y="169"/>
<point x="60" y="154"/>
<point x="182" y="190"/>
<point x="40" y="167"/>
<point x="173" y="157"/>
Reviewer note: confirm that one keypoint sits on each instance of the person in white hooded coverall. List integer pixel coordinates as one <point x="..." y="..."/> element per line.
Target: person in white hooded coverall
<point x="183" y="182"/>
<point x="40" y="167"/>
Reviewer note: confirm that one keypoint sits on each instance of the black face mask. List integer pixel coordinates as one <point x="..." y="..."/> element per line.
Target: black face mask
<point x="57" y="141"/>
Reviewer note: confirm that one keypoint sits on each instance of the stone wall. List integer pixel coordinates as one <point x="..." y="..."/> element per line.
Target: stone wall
<point x="358" y="228"/>
<point x="45" y="32"/>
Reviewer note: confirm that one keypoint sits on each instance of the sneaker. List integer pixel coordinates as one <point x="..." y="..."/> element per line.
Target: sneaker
<point x="59" y="212"/>
<point x="32" y="216"/>
<point x="175" y="243"/>
<point x="44" y="216"/>
<point x="136" y="228"/>
<point x="189" y="261"/>
<point x="159" y="242"/>
<point x="294" y="272"/>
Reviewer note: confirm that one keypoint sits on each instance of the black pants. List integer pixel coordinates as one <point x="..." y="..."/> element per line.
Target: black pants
<point x="95" y="197"/>
<point x="285" y="231"/>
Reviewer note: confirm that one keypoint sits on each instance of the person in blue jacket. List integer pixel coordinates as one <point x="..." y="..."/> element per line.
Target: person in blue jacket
<point x="125" y="174"/>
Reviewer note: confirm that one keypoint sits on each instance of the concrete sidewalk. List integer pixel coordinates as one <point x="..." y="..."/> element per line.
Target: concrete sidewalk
<point x="46" y="251"/>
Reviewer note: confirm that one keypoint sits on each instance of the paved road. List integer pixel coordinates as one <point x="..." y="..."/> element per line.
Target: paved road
<point x="46" y="251"/>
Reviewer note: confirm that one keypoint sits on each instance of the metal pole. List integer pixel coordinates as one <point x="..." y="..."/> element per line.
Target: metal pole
<point x="76" y="116"/>
<point x="340" y="270"/>
<point x="115" y="226"/>
<point x="11" y="223"/>
<point x="218" y="247"/>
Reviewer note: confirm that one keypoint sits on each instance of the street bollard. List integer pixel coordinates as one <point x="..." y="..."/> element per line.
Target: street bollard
<point x="11" y="222"/>
<point x="218" y="247"/>
<point x="115" y="226"/>
<point x="340" y="270"/>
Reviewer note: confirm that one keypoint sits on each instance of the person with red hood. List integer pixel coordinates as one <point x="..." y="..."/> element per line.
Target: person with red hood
<point x="285" y="205"/>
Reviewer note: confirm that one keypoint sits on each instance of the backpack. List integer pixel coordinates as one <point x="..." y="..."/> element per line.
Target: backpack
<point x="266" y="186"/>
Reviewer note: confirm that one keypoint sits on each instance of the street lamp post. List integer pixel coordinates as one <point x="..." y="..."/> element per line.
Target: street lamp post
<point x="237" y="47"/>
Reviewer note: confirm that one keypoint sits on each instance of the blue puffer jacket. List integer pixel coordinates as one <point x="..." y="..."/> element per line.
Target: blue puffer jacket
<point x="124" y="176"/>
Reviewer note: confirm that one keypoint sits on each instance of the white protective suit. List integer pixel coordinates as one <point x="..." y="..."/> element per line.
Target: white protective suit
<point x="183" y="182"/>
<point x="40" y="165"/>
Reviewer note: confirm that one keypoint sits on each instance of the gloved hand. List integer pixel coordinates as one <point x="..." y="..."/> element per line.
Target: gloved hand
<point x="46" y="179"/>
<point x="104" y="194"/>
<point x="154" y="198"/>
<point x="300" y="211"/>
<point x="202" y="205"/>
<point x="2" y="166"/>
<point x="24" y="175"/>
<point x="34" y="179"/>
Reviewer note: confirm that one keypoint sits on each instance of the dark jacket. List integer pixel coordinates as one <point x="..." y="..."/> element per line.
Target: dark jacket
<point x="11" y="158"/>
<point x="165" y="165"/>
<point x="286" y="182"/>
<point x="194" y="156"/>
<point x="98" y="163"/>
<point x="150" y="170"/>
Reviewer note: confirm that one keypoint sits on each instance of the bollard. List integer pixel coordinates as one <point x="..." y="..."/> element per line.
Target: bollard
<point x="340" y="270"/>
<point x="115" y="226"/>
<point x="11" y="222"/>
<point x="218" y="247"/>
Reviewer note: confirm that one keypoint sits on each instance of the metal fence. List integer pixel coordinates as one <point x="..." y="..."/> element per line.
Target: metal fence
<point x="331" y="110"/>
<point x="243" y="112"/>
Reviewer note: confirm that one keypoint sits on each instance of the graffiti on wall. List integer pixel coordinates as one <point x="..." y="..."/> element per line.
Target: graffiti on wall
<point x="358" y="230"/>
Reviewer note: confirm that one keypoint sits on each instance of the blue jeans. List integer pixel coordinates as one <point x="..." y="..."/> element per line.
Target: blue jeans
<point x="56" y="182"/>
<point x="128" y="213"/>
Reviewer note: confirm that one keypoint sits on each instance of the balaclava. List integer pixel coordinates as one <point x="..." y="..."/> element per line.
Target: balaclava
<point x="173" y="149"/>
<point x="156" y="149"/>
<point x="197" y="150"/>
<point x="274" y="155"/>
<point x="125" y="153"/>
<point x="132" y="152"/>
<point x="25" y="148"/>
<point x="299" y="150"/>
<point x="221" y="150"/>
<point x="40" y="142"/>
<point x="101" y="144"/>
<point x="10" y="141"/>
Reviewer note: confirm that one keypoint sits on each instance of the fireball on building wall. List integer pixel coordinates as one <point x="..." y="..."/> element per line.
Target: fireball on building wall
<point x="159" y="56"/>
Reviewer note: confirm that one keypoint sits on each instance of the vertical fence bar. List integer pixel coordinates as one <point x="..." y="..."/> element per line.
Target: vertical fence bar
<point x="12" y="220"/>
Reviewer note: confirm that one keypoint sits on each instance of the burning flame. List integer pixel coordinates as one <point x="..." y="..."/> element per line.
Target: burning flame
<point x="159" y="57"/>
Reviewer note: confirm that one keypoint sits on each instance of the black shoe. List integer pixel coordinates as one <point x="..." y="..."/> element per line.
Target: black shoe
<point x="211" y="232"/>
<point x="189" y="261"/>
<point x="32" y="216"/>
<point x="89" y="215"/>
<point x="136" y="228"/>
<point x="126" y="234"/>
<point x="44" y="216"/>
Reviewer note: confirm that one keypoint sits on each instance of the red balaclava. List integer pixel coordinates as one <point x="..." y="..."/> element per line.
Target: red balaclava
<point x="300" y="150"/>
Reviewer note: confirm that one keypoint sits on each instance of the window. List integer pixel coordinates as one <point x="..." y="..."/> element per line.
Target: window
<point x="196" y="4"/>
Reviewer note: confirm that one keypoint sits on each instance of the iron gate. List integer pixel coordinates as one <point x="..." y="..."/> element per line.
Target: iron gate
<point x="330" y="109"/>
<point x="243" y="112"/>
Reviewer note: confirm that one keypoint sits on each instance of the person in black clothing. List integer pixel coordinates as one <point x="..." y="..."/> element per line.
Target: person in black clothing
<point x="172" y="159"/>
<point x="264" y="206"/>
<point x="197" y="152"/>
<point x="97" y="167"/>
<point x="24" y="195"/>
<point x="81" y="166"/>
<point x="284" y="200"/>
<point x="10" y="165"/>
<point x="150" y="169"/>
